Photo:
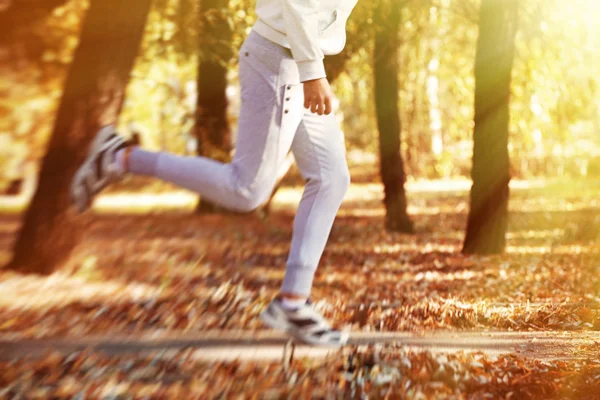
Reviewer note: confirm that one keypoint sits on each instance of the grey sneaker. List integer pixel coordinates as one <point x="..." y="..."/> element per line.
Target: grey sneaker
<point x="305" y="324"/>
<point x="99" y="169"/>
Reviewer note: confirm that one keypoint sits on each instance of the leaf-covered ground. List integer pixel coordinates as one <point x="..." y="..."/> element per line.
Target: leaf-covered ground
<point x="172" y="270"/>
<point x="385" y="372"/>
<point x="186" y="272"/>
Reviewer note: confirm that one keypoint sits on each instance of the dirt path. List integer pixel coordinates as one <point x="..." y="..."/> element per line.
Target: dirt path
<point x="229" y="345"/>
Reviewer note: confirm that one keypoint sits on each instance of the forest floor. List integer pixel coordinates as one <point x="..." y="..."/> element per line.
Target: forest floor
<point x="151" y="284"/>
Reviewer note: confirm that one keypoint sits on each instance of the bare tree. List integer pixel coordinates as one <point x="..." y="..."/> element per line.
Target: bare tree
<point x="93" y="96"/>
<point x="386" y="70"/>
<point x="488" y="217"/>
<point x="211" y="129"/>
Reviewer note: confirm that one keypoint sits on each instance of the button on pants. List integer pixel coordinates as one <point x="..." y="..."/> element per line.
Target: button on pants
<point x="272" y="121"/>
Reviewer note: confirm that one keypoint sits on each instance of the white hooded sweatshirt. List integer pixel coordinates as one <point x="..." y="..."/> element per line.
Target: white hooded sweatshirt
<point x="311" y="29"/>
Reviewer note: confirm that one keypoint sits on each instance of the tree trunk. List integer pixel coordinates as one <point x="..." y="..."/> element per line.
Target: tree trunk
<point x="212" y="130"/>
<point x="358" y="34"/>
<point x="386" y="69"/>
<point x="92" y="97"/>
<point x="336" y="64"/>
<point x="488" y="217"/>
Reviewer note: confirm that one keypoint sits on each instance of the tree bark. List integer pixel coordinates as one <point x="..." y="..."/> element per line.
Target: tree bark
<point x="212" y="129"/>
<point x="336" y="64"/>
<point x="359" y="32"/>
<point x="93" y="96"/>
<point x="386" y="69"/>
<point x="488" y="216"/>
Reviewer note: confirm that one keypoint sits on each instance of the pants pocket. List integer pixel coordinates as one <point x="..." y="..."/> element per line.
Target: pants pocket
<point x="292" y="111"/>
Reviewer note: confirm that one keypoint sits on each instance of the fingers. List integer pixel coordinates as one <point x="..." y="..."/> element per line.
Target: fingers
<point x="315" y="107"/>
<point x="317" y="96"/>
<point x="313" y="104"/>
<point x="327" y="105"/>
<point x="319" y="105"/>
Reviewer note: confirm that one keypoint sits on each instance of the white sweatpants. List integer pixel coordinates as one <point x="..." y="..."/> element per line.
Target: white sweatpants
<point x="272" y="121"/>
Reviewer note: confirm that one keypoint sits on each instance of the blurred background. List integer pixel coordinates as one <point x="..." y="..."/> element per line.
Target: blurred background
<point x="554" y="100"/>
<point x="473" y="137"/>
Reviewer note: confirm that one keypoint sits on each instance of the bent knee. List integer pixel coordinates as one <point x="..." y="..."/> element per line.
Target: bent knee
<point x="250" y="199"/>
<point x="337" y="181"/>
<point x="345" y="178"/>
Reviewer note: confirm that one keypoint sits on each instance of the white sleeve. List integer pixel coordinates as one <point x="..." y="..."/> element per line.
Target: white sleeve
<point x="302" y="29"/>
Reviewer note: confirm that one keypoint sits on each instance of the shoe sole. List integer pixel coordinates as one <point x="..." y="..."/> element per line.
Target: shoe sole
<point x="100" y="138"/>
<point x="274" y="323"/>
<point x="279" y="325"/>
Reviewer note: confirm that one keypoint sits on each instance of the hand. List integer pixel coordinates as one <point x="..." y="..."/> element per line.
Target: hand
<point x="318" y="96"/>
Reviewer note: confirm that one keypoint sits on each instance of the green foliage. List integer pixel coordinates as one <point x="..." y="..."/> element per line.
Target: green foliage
<point x="161" y="97"/>
<point x="33" y="67"/>
<point x="555" y="112"/>
<point x="555" y="117"/>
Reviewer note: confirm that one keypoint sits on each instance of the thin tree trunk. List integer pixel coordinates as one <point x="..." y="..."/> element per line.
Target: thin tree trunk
<point x="359" y="32"/>
<point x="212" y="130"/>
<point x="92" y="97"/>
<point x="488" y="217"/>
<point x="386" y="69"/>
<point x="335" y="65"/>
